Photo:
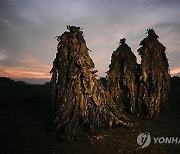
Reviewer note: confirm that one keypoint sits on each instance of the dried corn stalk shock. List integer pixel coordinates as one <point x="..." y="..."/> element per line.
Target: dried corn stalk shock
<point x="121" y="77"/>
<point x="155" y="79"/>
<point x="78" y="97"/>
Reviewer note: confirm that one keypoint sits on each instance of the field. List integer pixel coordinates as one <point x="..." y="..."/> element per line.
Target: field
<point x="26" y="125"/>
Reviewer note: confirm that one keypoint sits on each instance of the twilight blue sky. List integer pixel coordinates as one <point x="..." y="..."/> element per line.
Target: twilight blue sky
<point x="28" y="28"/>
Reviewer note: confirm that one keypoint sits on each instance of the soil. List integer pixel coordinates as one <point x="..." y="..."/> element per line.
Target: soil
<point x="26" y="126"/>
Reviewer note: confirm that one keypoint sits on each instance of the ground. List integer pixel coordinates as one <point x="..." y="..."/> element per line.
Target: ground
<point x="26" y="126"/>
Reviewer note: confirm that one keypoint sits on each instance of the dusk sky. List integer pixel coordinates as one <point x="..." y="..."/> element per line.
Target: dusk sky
<point x="28" y="29"/>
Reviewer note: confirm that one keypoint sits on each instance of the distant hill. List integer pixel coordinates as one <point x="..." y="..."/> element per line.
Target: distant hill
<point x="177" y="74"/>
<point x="175" y="81"/>
<point x="4" y="81"/>
<point x="19" y="91"/>
<point x="39" y="81"/>
<point x="9" y="82"/>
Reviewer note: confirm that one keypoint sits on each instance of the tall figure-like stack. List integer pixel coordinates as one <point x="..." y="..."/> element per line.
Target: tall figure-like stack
<point x="155" y="78"/>
<point x="122" y="78"/>
<point x="78" y="97"/>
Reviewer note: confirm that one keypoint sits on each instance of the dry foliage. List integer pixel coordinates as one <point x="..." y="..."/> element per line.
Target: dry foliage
<point x="78" y="97"/>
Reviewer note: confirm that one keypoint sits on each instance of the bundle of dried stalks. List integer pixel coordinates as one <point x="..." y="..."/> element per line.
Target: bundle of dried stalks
<point x="78" y="97"/>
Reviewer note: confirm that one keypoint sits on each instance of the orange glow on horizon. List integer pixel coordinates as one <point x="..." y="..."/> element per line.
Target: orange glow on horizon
<point x="31" y="67"/>
<point x="16" y="73"/>
<point x="25" y="72"/>
<point x="19" y="72"/>
<point x="27" y="67"/>
<point x="175" y="71"/>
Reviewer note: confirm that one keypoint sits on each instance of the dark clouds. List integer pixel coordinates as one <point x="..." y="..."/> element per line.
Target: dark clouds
<point x="28" y="28"/>
<point x="10" y="25"/>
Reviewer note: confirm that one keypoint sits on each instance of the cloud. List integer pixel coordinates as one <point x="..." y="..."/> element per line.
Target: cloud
<point x="28" y="28"/>
<point x="26" y="67"/>
<point x="21" y="72"/>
